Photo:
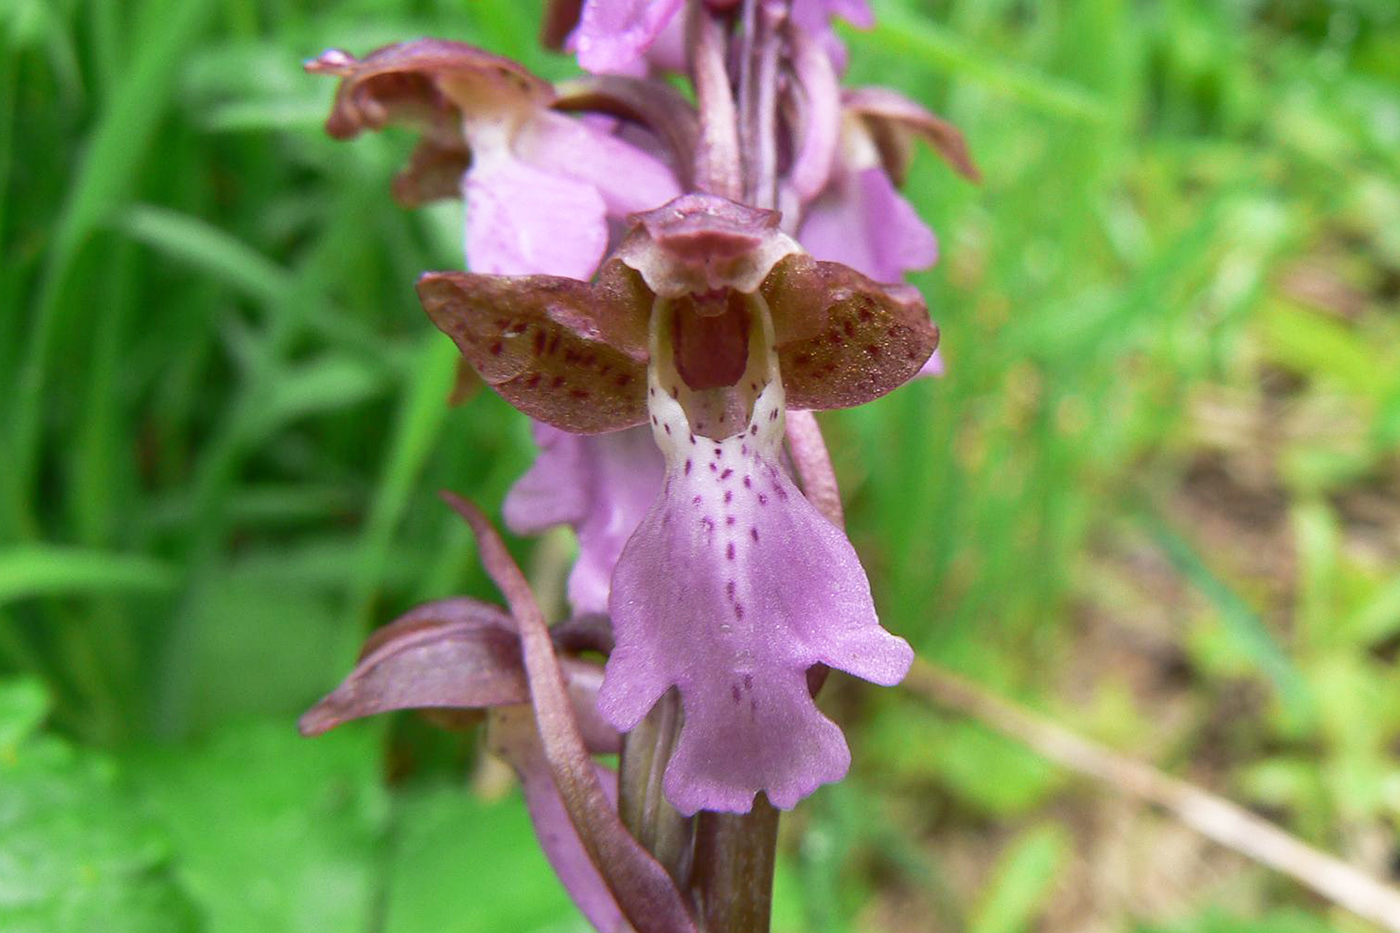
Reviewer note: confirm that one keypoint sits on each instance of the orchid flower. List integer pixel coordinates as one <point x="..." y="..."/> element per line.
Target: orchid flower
<point x="491" y="135"/>
<point x="613" y="35"/>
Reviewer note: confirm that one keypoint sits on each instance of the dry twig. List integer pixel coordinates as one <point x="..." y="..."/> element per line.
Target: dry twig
<point x="1217" y="819"/>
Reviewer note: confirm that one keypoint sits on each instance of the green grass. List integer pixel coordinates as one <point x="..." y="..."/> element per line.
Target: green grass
<point x="1172" y="413"/>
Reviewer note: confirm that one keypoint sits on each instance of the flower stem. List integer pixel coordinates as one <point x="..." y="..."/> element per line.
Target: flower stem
<point x="734" y="856"/>
<point x="646" y="751"/>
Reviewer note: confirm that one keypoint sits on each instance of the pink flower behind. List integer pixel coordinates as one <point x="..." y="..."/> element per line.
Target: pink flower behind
<point x="601" y="485"/>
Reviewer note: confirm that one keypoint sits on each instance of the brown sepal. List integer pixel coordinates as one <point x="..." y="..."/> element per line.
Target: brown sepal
<point x="427" y="84"/>
<point x="454" y="654"/>
<point x="843" y="339"/>
<point x="569" y="353"/>
<point x="434" y="173"/>
<point x="895" y="122"/>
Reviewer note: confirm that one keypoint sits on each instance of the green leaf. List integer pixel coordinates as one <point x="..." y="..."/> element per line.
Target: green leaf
<point x="468" y="866"/>
<point x="272" y="832"/>
<point x="77" y="852"/>
<point x="1023" y="876"/>
<point x="45" y="570"/>
<point x="209" y="249"/>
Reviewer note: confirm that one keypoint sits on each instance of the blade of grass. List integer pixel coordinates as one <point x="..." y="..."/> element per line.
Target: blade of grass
<point x="30" y="570"/>
<point x="926" y="42"/>
<point x="1243" y="623"/>
<point x="114" y="152"/>
<point x="419" y="422"/>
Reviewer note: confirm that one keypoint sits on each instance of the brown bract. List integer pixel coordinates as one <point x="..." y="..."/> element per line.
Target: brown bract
<point x="574" y="354"/>
<point x="428" y="84"/>
<point x="895" y="123"/>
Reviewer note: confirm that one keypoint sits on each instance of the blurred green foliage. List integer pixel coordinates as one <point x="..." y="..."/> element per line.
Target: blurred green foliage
<point x="1173" y="402"/>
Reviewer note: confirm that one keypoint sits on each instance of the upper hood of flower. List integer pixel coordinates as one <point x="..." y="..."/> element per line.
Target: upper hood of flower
<point x="428" y="84"/>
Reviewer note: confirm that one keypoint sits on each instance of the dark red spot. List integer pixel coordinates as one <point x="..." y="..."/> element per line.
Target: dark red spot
<point x="729" y="551"/>
<point x="728" y="472"/>
<point x="556" y="382"/>
<point x="496" y="348"/>
<point x="623" y="380"/>
<point x="668" y="427"/>
<point x="533" y="380"/>
<point x="578" y="394"/>
<point x="730" y="520"/>
<point x="753" y="533"/>
<point x="729" y="497"/>
<point x="734" y="692"/>
<point x="739" y="611"/>
<point x="873" y="350"/>
<point x="748" y="482"/>
<point x="687" y="468"/>
<point x="748" y="681"/>
<point x="762" y="499"/>
<point x="729" y="589"/>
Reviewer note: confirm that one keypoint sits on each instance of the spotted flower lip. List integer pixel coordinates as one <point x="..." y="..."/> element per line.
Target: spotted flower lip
<point x="574" y="354"/>
<point x="490" y="134"/>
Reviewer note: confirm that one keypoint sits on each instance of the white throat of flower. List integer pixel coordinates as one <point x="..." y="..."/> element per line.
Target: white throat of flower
<point x="745" y="420"/>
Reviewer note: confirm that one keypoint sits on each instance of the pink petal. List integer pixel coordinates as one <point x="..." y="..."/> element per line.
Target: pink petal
<point x="863" y="221"/>
<point x="628" y="179"/>
<point x="934" y="366"/>
<point x="613" y="34"/>
<point x="552" y="492"/>
<point x="522" y="220"/>
<point x="601" y="485"/>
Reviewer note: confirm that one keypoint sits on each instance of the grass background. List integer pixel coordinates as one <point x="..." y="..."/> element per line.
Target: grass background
<point x="1156" y="496"/>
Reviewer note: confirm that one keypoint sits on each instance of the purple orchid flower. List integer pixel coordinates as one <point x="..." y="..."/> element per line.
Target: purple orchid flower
<point x="860" y="219"/>
<point x="491" y="135"/>
<point x="708" y="323"/>
<point x="600" y="485"/>
<point x="614" y="35"/>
